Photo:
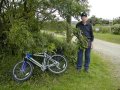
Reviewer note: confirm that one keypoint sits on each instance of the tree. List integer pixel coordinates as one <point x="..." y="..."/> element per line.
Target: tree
<point x="34" y="12"/>
<point x="95" y="20"/>
<point x="68" y="9"/>
<point x="116" y="20"/>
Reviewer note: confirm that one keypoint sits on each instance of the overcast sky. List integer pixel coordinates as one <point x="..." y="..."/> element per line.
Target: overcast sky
<point x="107" y="9"/>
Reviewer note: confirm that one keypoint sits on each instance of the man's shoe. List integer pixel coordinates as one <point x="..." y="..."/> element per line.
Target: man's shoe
<point x="86" y="70"/>
<point x="79" y="70"/>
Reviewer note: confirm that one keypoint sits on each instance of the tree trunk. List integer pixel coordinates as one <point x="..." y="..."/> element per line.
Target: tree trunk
<point x="68" y="33"/>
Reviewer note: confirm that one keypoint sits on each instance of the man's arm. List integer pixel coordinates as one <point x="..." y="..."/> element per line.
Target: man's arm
<point x="91" y="32"/>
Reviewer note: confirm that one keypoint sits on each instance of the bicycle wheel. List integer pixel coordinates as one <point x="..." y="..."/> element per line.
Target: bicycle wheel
<point x="57" y="64"/>
<point x="22" y="71"/>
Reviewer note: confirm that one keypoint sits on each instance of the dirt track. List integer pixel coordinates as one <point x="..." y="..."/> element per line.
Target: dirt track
<point x="111" y="53"/>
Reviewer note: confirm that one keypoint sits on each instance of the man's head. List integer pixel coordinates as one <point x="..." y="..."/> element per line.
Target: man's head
<point x="84" y="17"/>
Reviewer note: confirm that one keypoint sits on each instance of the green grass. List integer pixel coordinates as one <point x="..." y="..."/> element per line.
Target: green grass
<point x="108" y="37"/>
<point x="98" y="79"/>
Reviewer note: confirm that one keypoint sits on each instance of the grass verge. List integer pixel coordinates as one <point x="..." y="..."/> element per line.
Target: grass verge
<point x="97" y="79"/>
<point x="108" y="37"/>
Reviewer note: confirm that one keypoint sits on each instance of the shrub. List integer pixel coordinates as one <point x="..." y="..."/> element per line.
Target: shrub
<point x="105" y="29"/>
<point x="22" y="40"/>
<point x="115" y="29"/>
<point x="102" y="29"/>
<point x="19" y="37"/>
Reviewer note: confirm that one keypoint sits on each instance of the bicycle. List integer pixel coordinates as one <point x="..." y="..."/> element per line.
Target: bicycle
<point x="23" y="70"/>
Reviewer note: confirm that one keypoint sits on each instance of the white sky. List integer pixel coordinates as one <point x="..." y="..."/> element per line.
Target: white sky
<point x="107" y="9"/>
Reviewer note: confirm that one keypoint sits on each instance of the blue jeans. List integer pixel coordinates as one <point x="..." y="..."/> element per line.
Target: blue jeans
<point x="87" y="57"/>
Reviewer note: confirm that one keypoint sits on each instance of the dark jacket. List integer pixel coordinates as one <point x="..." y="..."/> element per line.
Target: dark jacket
<point x="87" y="30"/>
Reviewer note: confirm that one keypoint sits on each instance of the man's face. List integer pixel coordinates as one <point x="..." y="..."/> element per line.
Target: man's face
<point x="84" y="18"/>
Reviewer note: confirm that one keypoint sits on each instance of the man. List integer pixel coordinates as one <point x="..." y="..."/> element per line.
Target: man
<point x="88" y="32"/>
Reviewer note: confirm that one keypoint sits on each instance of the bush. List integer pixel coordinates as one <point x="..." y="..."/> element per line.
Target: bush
<point x="115" y="29"/>
<point x="19" y="37"/>
<point x="102" y="29"/>
<point x="68" y="50"/>
<point x="105" y="29"/>
<point x="22" y="40"/>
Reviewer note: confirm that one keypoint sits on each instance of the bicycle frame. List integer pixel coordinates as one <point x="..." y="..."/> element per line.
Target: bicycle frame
<point x="55" y="63"/>
<point x="29" y="57"/>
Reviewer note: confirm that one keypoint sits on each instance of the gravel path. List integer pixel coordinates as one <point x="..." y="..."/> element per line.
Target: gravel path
<point x="111" y="53"/>
<point x="109" y="49"/>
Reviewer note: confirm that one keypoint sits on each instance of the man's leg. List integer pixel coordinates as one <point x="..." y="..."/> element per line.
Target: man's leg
<point x="87" y="57"/>
<point x="80" y="59"/>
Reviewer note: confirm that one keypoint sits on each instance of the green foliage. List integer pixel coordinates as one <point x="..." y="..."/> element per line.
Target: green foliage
<point x="59" y="26"/>
<point x="34" y="13"/>
<point x="105" y="29"/>
<point x="102" y="29"/>
<point x="115" y="29"/>
<point x="20" y="36"/>
<point x="33" y="24"/>
<point x="70" y="51"/>
<point x="44" y="42"/>
<point x="95" y="21"/>
<point x="82" y="39"/>
<point x="68" y="8"/>
<point x="66" y="49"/>
<point x="116" y="20"/>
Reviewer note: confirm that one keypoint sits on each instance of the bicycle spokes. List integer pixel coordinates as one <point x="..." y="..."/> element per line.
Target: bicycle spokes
<point x="57" y="64"/>
<point x="22" y="70"/>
